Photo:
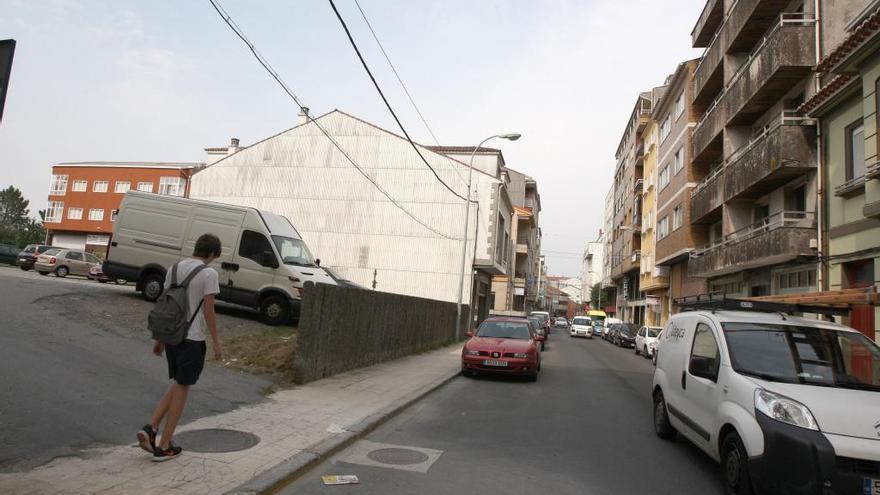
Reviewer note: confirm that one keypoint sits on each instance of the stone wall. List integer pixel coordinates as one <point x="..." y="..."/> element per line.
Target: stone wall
<point x="342" y="328"/>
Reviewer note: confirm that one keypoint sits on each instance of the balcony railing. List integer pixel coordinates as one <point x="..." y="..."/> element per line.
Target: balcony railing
<point x="708" y="196"/>
<point x="779" y="238"/>
<point x="709" y="22"/>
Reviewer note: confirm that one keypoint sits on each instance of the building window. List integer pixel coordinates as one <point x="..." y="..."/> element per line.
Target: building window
<point x="80" y="186"/>
<point x="679" y="161"/>
<point x="663" y="227"/>
<point x="855" y="150"/>
<point x="501" y="234"/>
<point x="58" y="186"/>
<point x="172" y="186"/>
<point x="796" y="280"/>
<point x="664" y="177"/>
<point x="100" y="186"/>
<point x="113" y="215"/>
<point x="665" y="127"/>
<point x="54" y="212"/>
<point x="121" y="186"/>
<point x="145" y="187"/>
<point x="677" y="217"/>
<point x="74" y="213"/>
<point x="96" y="214"/>
<point x="679" y="105"/>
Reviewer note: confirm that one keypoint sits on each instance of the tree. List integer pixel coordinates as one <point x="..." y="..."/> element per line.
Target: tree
<point x="16" y="225"/>
<point x="598" y="294"/>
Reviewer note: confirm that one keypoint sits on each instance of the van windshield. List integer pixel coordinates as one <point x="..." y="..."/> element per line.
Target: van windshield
<point x="293" y="251"/>
<point x="812" y="356"/>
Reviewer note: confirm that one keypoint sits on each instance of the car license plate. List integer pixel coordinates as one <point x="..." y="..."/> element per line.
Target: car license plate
<point x="492" y="362"/>
<point x="871" y="486"/>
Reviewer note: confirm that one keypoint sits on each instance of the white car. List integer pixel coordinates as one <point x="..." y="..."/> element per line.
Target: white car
<point x="581" y="326"/>
<point x="646" y="341"/>
<point x="785" y="404"/>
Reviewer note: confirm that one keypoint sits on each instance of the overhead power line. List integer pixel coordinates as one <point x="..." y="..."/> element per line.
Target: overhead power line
<point x="388" y="105"/>
<point x="265" y="63"/>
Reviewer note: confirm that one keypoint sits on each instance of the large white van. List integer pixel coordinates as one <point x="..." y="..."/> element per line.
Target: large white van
<point x="785" y="404"/>
<point x="263" y="265"/>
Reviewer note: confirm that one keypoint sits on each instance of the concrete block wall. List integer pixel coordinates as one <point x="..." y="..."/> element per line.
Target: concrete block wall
<point x="342" y="328"/>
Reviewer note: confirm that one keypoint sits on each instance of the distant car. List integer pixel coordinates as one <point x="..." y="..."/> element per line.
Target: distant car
<point x="538" y="325"/>
<point x="504" y="346"/>
<point x="581" y="326"/>
<point x="561" y="323"/>
<point x="64" y="262"/>
<point x="28" y="256"/>
<point x="598" y="329"/>
<point x="9" y="254"/>
<point x="96" y="273"/>
<point x="646" y="340"/>
<point x="625" y="336"/>
<point x="340" y="280"/>
<point x="610" y="330"/>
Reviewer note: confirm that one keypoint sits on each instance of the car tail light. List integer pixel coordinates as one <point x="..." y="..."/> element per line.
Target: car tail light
<point x="52" y="260"/>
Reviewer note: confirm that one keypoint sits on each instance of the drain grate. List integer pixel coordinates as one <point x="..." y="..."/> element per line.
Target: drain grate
<point x="216" y="440"/>
<point x="398" y="456"/>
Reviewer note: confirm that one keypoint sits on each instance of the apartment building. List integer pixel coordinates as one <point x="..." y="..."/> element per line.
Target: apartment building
<point x="591" y="268"/>
<point x="753" y="155"/>
<point x="610" y="305"/>
<point x="84" y="197"/>
<point x="847" y="108"/>
<point x="523" y="191"/>
<point x="674" y="182"/>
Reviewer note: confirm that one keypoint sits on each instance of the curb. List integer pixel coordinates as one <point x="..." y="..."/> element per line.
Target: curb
<point x="275" y="478"/>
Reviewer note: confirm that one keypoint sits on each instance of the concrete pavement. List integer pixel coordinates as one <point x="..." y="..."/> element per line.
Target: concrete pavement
<point x="584" y="428"/>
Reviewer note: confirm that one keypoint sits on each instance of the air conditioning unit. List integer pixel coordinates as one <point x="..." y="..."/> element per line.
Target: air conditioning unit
<point x="814" y="243"/>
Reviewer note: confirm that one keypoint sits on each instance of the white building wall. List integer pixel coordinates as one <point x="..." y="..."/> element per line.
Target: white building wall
<point x="344" y="219"/>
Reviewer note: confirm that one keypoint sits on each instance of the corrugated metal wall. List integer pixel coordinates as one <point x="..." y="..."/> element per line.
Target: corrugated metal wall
<point x="344" y="219"/>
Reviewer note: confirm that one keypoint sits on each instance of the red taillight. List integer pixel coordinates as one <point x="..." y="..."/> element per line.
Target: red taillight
<point x="52" y="260"/>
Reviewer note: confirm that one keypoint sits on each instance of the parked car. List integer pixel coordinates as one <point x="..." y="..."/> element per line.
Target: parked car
<point x="561" y="322"/>
<point x="263" y="265"/>
<point x="784" y="404"/>
<point x="97" y="273"/>
<point x="340" y="280"/>
<point x="538" y="324"/>
<point x="545" y="316"/>
<point x="625" y="336"/>
<point x="502" y="345"/>
<point x="581" y="326"/>
<point x="598" y="329"/>
<point x="64" y="262"/>
<point x="609" y="321"/>
<point x="9" y="254"/>
<point x="610" y="330"/>
<point x="657" y="348"/>
<point x="646" y="340"/>
<point x="28" y="256"/>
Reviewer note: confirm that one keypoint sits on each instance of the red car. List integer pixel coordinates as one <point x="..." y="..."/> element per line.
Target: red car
<point x="503" y="346"/>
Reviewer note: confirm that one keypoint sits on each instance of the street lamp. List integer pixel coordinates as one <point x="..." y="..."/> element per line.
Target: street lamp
<point x="467" y="211"/>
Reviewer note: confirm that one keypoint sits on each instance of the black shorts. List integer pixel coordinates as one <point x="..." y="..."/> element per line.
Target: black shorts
<point x="186" y="361"/>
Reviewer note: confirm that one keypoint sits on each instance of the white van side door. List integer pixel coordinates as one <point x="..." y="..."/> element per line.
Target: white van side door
<point x="701" y="392"/>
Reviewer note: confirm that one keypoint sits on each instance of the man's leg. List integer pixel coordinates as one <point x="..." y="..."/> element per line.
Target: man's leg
<point x="177" y="400"/>
<point x="161" y="408"/>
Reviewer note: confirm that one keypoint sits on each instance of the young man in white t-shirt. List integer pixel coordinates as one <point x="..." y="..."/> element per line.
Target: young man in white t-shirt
<point x="187" y="359"/>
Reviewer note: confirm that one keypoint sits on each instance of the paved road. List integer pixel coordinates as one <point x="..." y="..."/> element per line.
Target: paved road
<point x="584" y="428"/>
<point x="69" y="384"/>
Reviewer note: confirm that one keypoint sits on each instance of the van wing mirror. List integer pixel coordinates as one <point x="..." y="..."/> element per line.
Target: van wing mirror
<point x="268" y="259"/>
<point x="318" y="262"/>
<point x="702" y="367"/>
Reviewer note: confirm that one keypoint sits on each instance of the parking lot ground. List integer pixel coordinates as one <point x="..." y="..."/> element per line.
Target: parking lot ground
<point x="584" y="428"/>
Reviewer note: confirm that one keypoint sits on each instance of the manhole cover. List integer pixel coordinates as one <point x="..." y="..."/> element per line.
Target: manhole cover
<point x="216" y="440"/>
<point x="398" y="457"/>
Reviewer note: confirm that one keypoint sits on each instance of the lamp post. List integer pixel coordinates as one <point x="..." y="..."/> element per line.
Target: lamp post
<point x="467" y="211"/>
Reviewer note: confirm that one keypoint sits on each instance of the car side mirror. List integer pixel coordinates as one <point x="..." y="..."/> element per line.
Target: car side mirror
<point x="540" y="338"/>
<point x="469" y="334"/>
<point x="702" y="367"/>
<point x="268" y="259"/>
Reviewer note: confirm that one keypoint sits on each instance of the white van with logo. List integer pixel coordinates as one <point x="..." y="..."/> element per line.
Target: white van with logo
<point x="263" y="265"/>
<point x="785" y="404"/>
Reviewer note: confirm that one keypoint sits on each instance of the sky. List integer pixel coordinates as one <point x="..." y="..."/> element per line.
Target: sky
<point x="120" y="80"/>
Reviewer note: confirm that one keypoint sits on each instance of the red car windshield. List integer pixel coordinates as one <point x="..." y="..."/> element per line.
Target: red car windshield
<point x="505" y="330"/>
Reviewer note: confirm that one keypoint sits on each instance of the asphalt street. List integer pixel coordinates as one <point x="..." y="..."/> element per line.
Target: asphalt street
<point x="584" y="428"/>
<point x="70" y="384"/>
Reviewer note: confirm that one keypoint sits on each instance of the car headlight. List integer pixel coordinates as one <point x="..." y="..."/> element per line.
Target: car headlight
<point x="471" y="353"/>
<point x="520" y="355"/>
<point x="783" y="409"/>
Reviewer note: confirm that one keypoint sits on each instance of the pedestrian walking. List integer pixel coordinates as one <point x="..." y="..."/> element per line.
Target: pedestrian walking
<point x="178" y="322"/>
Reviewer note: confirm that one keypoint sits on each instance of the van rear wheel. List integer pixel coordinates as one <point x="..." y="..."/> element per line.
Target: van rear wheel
<point x="662" y="427"/>
<point x="153" y="285"/>
<point x="274" y="310"/>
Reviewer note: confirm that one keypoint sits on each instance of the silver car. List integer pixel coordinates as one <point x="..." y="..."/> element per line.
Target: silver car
<point x="64" y="262"/>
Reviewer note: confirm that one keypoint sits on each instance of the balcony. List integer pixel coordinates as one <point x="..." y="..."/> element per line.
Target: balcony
<point x="781" y="152"/>
<point x="707" y="197"/>
<point x="649" y="282"/>
<point x="706" y="139"/>
<point x="785" y="56"/>
<point x="637" y="188"/>
<point x="632" y="261"/>
<point x="708" y="23"/>
<point x="780" y="238"/>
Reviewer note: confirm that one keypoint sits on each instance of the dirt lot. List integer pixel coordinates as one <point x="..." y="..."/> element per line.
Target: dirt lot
<point x="248" y="344"/>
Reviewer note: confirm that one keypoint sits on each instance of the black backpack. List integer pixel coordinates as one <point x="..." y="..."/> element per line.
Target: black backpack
<point x="169" y="319"/>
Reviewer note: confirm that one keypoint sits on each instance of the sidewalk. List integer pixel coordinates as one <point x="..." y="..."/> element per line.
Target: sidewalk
<point x="295" y="427"/>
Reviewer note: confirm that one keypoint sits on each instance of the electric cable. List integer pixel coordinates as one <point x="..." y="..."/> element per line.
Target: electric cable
<point x="388" y="105"/>
<point x="262" y="60"/>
